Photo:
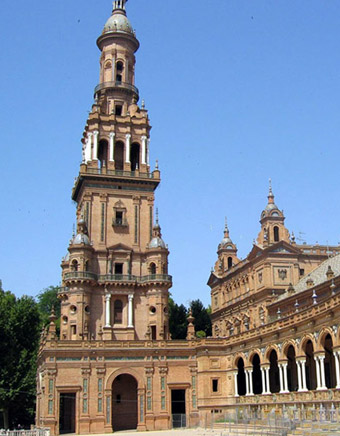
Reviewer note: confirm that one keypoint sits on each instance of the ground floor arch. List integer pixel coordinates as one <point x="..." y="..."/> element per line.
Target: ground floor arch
<point x="124" y="403"/>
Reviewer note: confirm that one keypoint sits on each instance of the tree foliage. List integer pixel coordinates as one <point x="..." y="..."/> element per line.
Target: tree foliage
<point x="177" y="320"/>
<point x="47" y="299"/>
<point x="202" y="318"/>
<point x="20" y="324"/>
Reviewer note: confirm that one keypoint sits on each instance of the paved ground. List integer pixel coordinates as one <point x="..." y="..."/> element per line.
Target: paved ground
<point x="177" y="432"/>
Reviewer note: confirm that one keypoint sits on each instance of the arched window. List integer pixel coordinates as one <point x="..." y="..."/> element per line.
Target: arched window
<point x="134" y="156"/>
<point x="119" y="155"/>
<point x="118" y="312"/>
<point x="119" y="71"/>
<point x="310" y="366"/>
<point x="230" y="262"/>
<point x="292" y="370"/>
<point x="257" y="376"/>
<point x="152" y="268"/>
<point x="274" y="374"/>
<point x="107" y="71"/>
<point x="276" y="234"/>
<point x="103" y="153"/>
<point x="74" y="265"/>
<point x="241" y="378"/>
<point x="87" y="266"/>
<point x="329" y="363"/>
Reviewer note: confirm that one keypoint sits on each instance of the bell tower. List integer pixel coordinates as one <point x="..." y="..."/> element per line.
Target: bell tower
<point x="115" y="275"/>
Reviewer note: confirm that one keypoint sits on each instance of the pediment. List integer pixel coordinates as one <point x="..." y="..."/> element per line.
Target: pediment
<point x="282" y="247"/>
<point x="213" y="280"/>
<point x="120" y="247"/>
<point x="255" y="252"/>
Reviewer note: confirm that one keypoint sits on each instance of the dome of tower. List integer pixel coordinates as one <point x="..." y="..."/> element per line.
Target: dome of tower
<point x="226" y="241"/>
<point x="118" y="22"/>
<point x="157" y="242"/>
<point x="81" y="238"/>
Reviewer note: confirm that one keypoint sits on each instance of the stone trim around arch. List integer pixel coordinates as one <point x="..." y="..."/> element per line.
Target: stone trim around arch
<point x="237" y="358"/>
<point x="304" y="340"/>
<point x="139" y="378"/>
<point x="322" y="336"/>
<point x="252" y="355"/>
<point x="285" y="347"/>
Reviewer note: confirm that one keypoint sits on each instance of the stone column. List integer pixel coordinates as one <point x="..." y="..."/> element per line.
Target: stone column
<point x="318" y="384"/>
<point x="113" y="71"/>
<point x="127" y="147"/>
<point x="144" y="139"/>
<point x="298" y="365"/>
<point x="95" y="145"/>
<point x="263" y="375"/>
<point x="247" y="382"/>
<point x="268" y="383"/>
<point x="285" y="377"/>
<point x="112" y="146"/>
<point x="322" y="372"/>
<point x="235" y="385"/>
<point x="303" y="370"/>
<point x="108" y="310"/>
<point x="130" y="310"/>
<point x="88" y="147"/>
<point x="337" y="369"/>
<point x="126" y="75"/>
<point x="282" y="389"/>
<point x="251" y="391"/>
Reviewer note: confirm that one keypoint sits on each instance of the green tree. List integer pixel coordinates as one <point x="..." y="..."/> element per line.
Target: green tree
<point x="202" y="318"/>
<point x="47" y="298"/>
<point x="20" y="325"/>
<point x="177" y="320"/>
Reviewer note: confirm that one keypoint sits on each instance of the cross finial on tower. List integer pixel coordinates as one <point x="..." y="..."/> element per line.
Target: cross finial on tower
<point x="270" y="195"/>
<point x="226" y="230"/>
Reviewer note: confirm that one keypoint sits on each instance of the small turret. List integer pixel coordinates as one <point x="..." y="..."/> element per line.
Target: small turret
<point x="227" y="251"/>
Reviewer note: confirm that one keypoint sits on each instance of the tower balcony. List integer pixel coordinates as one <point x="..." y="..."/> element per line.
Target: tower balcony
<point x="117" y="86"/>
<point x="119" y="173"/>
<point x="118" y="279"/>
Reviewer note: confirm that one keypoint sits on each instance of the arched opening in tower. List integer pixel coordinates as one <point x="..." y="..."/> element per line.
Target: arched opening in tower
<point x="310" y="366"/>
<point x="119" y="155"/>
<point x="274" y="374"/>
<point x="241" y="378"/>
<point x="276" y="234"/>
<point x="103" y="153"/>
<point x="135" y="156"/>
<point x="292" y="369"/>
<point x="124" y="403"/>
<point x="257" y="378"/>
<point x="119" y="71"/>
<point x="230" y="262"/>
<point x="330" y="376"/>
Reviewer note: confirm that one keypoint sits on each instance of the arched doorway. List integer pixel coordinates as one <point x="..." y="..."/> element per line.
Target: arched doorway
<point x="292" y="369"/>
<point x="274" y="375"/>
<point x="310" y="366"/>
<point x="124" y="403"/>
<point x="241" y="378"/>
<point x="329" y="363"/>
<point x="257" y="377"/>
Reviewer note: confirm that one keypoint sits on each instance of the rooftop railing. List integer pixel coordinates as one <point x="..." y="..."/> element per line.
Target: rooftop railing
<point x="119" y="173"/>
<point x="116" y="84"/>
<point x="114" y="278"/>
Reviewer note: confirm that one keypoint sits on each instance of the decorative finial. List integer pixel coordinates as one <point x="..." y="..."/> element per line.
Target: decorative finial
<point x="73" y="230"/>
<point x="314" y="297"/>
<point x="296" y="306"/>
<point x="119" y="4"/>
<point x="143" y="104"/>
<point x="156" y="167"/>
<point x="157" y="221"/>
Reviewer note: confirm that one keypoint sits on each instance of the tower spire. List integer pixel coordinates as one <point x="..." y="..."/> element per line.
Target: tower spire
<point x="226" y="230"/>
<point x="270" y="194"/>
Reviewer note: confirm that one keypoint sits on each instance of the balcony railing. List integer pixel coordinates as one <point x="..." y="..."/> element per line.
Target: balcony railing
<point x="117" y="84"/>
<point x="156" y="278"/>
<point x="81" y="275"/>
<point x="119" y="173"/>
<point x="119" y="222"/>
<point x="117" y="278"/>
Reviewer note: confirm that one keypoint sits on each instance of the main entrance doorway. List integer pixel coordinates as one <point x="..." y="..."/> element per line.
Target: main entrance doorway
<point x="124" y="403"/>
<point x="178" y="408"/>
<point x="67" y="413"/>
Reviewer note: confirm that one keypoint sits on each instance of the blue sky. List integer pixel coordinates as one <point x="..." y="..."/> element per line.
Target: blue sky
<point x="238" y="91"/>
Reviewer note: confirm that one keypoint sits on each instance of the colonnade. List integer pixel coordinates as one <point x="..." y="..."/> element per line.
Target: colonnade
<point x="90" y="150"/>
<point x="108" y="320"/>
<point x="244" y="377"/>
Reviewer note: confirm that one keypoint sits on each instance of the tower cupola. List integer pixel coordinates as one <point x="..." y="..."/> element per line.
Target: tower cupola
<point x="157" y="241"/>
<point x="227" y="252"/>
<point x="118" y="22"/>
<point x="272" y="223"/>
